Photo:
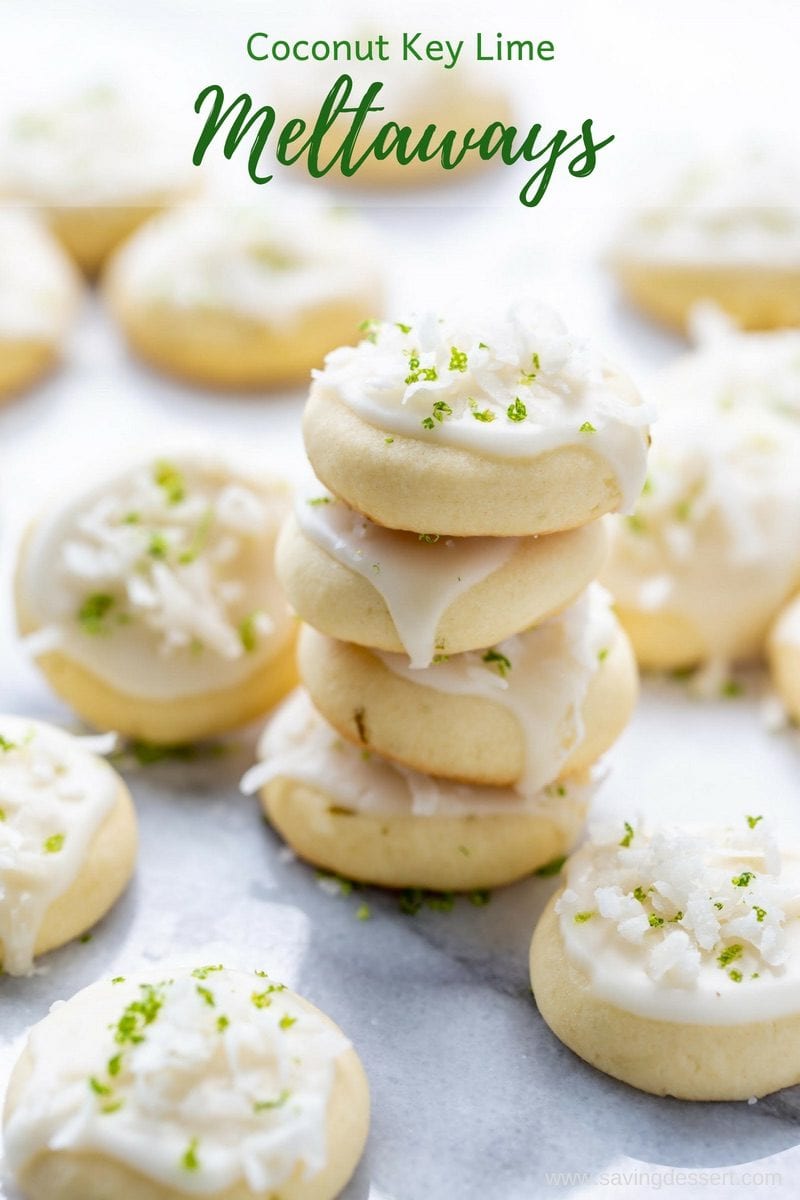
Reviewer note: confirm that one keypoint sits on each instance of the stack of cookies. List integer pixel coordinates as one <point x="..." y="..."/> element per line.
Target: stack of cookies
<point x="462" y="670"/>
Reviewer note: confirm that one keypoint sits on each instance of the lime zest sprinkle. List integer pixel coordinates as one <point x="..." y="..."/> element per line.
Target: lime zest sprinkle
<point x="54" y="843"/>
<point x="516" y="411"/>
<point x="581" y="918"/>
<point x="629" y="835"/>
<point x="190" y="1160"/>
<point x="170" y="480"/>
<point x="587" y="427"/>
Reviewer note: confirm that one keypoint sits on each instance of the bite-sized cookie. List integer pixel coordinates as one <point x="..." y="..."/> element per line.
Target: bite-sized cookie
<point x="671" y="960"/>
<point x="212" y="1082"/>
<point x="425" y="596"/>
<point x="783" y="655"/>
<point x="709" y="556"/>
<point x="67" y="839"/>
<point x="39" y="294"/>
<point x="350" y="811"/>
<point x="500" y="427"/>
<point x="151" y="602"/>
<point x="536" y="707"/>
<point x="245" y="297"/>
<point x="730" y="232"/>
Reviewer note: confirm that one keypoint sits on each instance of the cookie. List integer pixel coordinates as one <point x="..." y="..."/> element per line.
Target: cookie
<point x="349" y="811"/>
<point x="670" y="960"/>
<point x="150" y="601"/>
<point x="67" y="839"/>
<point x="389" y="590"/>
<point x="501" y="427"/>
<point x="539" y="706"/>
<point x="210" y="1082"/>
<point x="245" y="297"/>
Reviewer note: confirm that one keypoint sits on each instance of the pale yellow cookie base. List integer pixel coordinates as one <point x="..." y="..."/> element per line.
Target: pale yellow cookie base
<point x="170" y="722"/>
<point x="756" y="298"/>
<point x="468" y="738"/>
<point x="90" y="234"/>
<point x="443" y="853"/>
<point x="224" y="349"/>
<point x="107" y="871"/>
<point x="690" y="1062"/>
<point x="664" y="641"/>
<point x="783" y="657"/>
<point x="424" y="487"/>
<point x="542" y="576"/>
<point x="23" y="363"/>
<point x="82" y="1175"/>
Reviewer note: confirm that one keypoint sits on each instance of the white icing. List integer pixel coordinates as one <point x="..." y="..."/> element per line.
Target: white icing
<point x="393" y="380"/>
<point x="712" y="536"/>
<point x="54" y="795"/>
<point x="187" y="1086"/>
<point x="97" y="146"/>
<point x="739" y="211"/>
<point x="298" y="744"/>
<point x="673" y="971"/>
<point x="272" y="263"/>
<point x="191" y="603"/>
<point x="38" y="287"/>
<point x="418" y="580"/>
<point x="541" y="676"/>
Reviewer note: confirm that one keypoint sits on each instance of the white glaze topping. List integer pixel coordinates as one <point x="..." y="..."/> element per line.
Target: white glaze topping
<point x="298" y="744"/>
<point x="54" y="795"/>
<point x="711" y="538"/>
<point x="97" y="146"/>
<point x="515" y="386"/>
<point x="272" y="263"/>
<point x="38" y="286"/>
<point x="687" y="924"/>
<point x="160" y="580"/>
<point x="541" y="676"/>
<point x="742" y="210"/>
<point x="217" y="1078"/>
<point x="418" y="580"/>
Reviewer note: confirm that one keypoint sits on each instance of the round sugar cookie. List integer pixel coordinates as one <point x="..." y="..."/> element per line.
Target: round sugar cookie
<point x="39" y="296"/>
<point x="500" y="427"/>
<point x="68" y="839"/>
<point x="150" y="601"/>
<point x="97" y="163"/>
<point x="671" y="960"/>
<point x="350" y="811"/>
<point x="729" y="233"/>
<point x="539" y="706"/>
<point x="245" y="297"/>
<point x="395" y="591"/>
<point x="708" y="558"/>
<point x="214" y="1082"/>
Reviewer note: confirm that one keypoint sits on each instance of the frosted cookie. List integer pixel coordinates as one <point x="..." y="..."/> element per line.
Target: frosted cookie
<point x="536" y="707"/>
<point x="96" y="164"/>
<point x="39" y="294"/>
<point x="671" y="960"/>
<point x="350" y="811"/>
<point x="214" y="1083"/>
<point x="423" y="596"/>
<point x="730" y="232"/>
<point x="150" y="600"/>
<point x="245" y="297"/>
<point x="67" y="839"/>
<point x="501" y="428"/>
<point x="707" y="559"/>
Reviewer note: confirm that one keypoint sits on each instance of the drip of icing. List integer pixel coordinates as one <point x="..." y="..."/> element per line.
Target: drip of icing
<point x="417" y="580"/>
<point x="54" y="795"/>
<point x="266" y="264"/>
<point x="739" y="210"/>
<point x="97" y="146"/>
<point x="514" y="387"/>
<point x="199" y="1104"/>
<point x="38" y="288"/>
<point x="165" y="588"/>
<point x="692" y="925"/>
<point x="298" y="744"/>
<point x="541" y="676"/>
<point x="710" y="537"/>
